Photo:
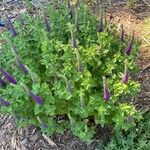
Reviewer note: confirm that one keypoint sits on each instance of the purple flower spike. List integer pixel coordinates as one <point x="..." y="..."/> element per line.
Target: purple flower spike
<point x="11" y="27"/>
<point x="47" y="24"/>
<point x="37" y="99"/>
<point x="100" y="28"/>
<point x="22" y="67"/>
<point x="4" y="102"/>
<point x="106" y="90"/>
<point x="2" y="83"/>
<point x="125" y="77"/>
<point x="8" y="76"/>
<point x="129" y="47"/>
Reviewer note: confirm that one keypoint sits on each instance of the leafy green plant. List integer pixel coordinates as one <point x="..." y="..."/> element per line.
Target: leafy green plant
<point x="67" y="73"/>
<point x="135" y="139"/>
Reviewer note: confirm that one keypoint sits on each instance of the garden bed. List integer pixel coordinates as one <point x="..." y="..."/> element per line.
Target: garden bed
<point x="32" y="138"/>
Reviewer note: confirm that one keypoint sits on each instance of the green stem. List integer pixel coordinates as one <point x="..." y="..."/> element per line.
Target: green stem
<point x="76" y="17"/>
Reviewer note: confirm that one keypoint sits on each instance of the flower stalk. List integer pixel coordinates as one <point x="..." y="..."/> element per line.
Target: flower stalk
<point x="100" y="28"/>
<point x="129" y="47"/>
<point x="8" y="76"/>
<point x="36" y="98"/>
<point x="106" y="90"/>
<point x="47" y="24"/>
<point x="11" y="27"/>
<point x="70" y="9"/>
<point x="4" y="102"/>
<point x="125" y="77"/>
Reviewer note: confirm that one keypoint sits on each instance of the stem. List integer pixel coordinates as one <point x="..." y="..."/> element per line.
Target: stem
<point x="76" y="17"/>
<point x="82" y="100"/>
<point x="71" y="120"/>
<point x="31" y="74"/>
<point x="62" y="76"/>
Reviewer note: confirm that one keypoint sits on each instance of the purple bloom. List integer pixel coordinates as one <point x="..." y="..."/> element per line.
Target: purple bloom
<point x="22" y="67"/>
<point x="100" y="28"/>
<point x="129" y="47"/>
<point x="122" y="33"/>
<point x="4" y="102"/>
<point x="8" y="76"/>
<point x="125" y="77"/>
<point x="11" y="27"/>
<point x="47" y="24"/>
<point x="106" y="90"/>
<point x="37" y="99"/>
<point x="2" y="83"/>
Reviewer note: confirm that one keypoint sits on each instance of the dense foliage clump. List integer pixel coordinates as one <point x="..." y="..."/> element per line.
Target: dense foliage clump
<point x="136" y="139"/>
<point x="68" y="70"/>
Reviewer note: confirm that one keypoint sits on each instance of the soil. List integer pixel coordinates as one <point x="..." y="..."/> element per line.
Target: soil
<point x="31" y="138"/>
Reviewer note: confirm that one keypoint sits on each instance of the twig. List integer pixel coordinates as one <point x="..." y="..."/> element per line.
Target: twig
<point x="147" y="33"/>
<point x="145" y="40"/>
<point x="146" y="3"/>
<point x="49" y="141"/>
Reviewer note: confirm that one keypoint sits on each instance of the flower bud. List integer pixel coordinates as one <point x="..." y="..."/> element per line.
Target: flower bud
<point x="8" y="76"/>
<point x="47" y="24"/>
<point x="11" y="27"/>
<point x="37" y="99"/>
<point x="69" y="87"/>
<point x="22" y="67"/>
<point x="100" y="28"/>
<point x="106" y="90"/>
<point x="129" y="47"/>
<point x="4" y="102"/>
